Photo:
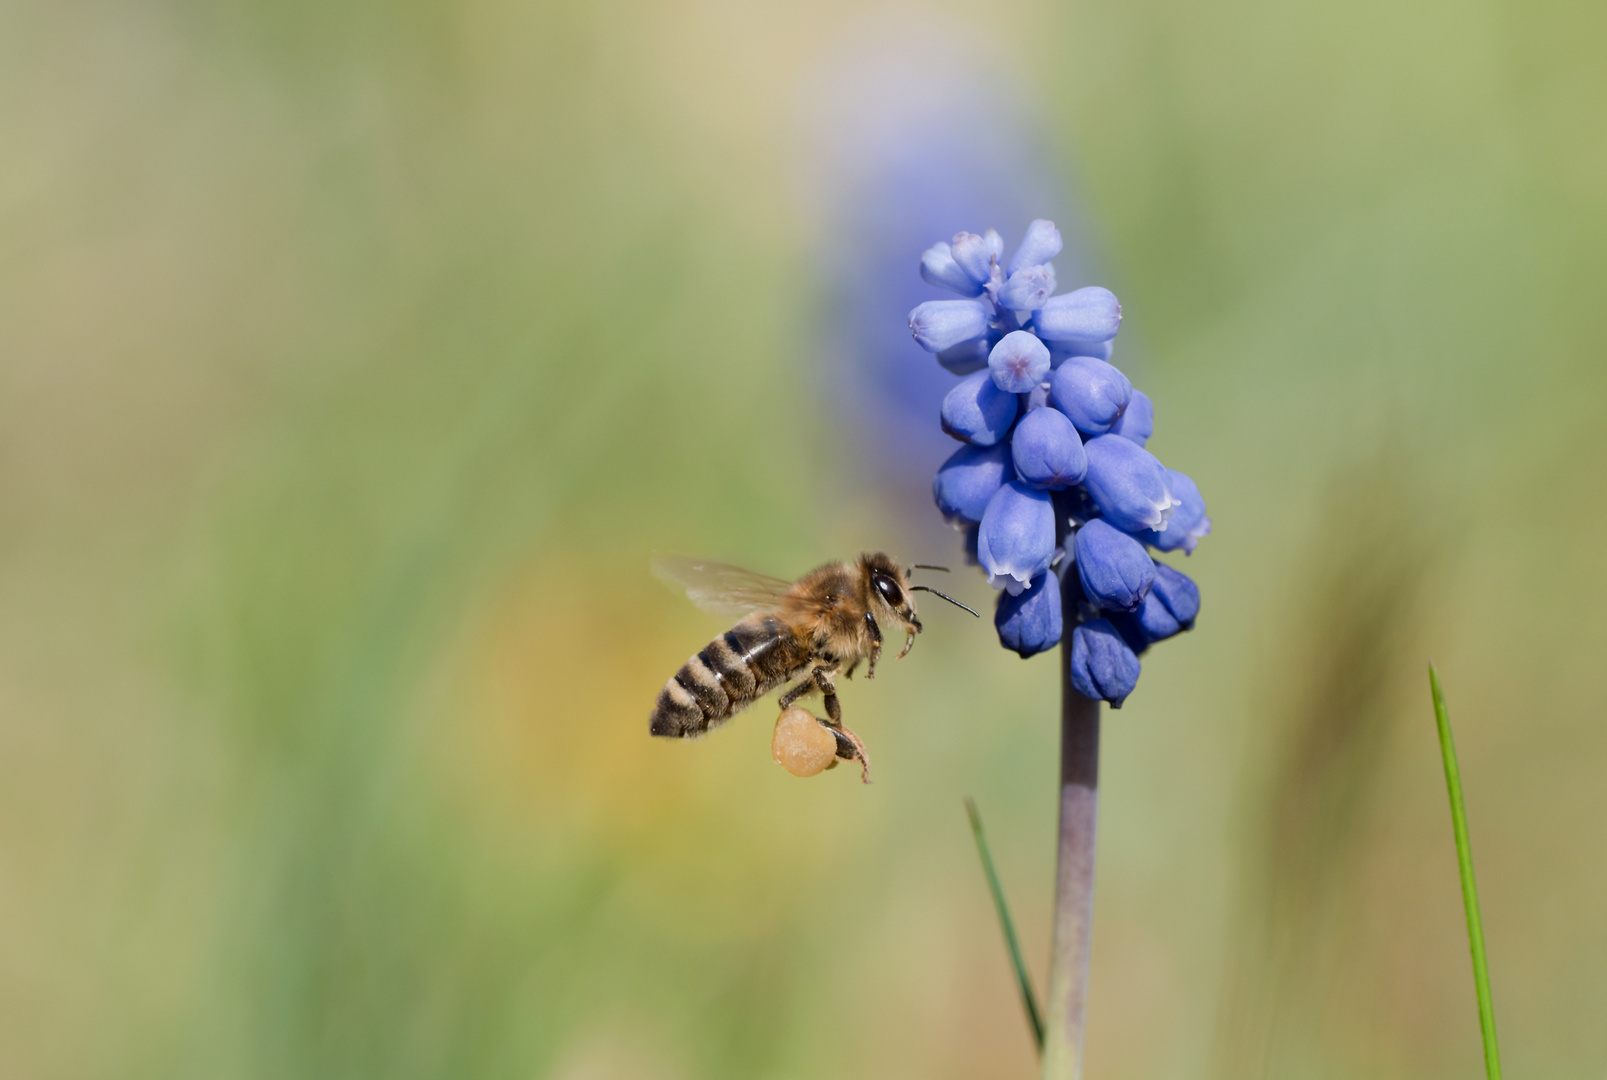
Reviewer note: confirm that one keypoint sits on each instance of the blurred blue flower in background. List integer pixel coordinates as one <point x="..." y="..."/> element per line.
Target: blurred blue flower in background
<point x="1037" y="380"/>
<point x="879" y="164"/>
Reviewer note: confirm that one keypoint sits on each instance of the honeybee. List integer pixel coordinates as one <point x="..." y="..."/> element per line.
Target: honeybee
<point x="825" y="623"/>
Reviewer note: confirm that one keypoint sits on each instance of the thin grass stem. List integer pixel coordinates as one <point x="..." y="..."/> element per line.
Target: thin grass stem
<point x="1470" y="889"/>
<point x="1029" y="1001"/>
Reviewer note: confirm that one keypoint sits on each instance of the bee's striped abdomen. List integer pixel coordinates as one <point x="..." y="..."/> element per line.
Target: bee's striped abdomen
<point x="745" y="663"/>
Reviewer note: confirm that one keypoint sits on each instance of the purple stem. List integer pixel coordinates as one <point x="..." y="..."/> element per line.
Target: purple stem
<point x="1074" y="875"/>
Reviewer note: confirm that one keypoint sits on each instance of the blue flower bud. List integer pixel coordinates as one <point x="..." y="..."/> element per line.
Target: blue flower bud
<point x="975" y="254"/>
<point x="968" y="479"/>
<point x="1102" y="664"/>
<point x="1115" y="570"/>
<point x="1027" y="289"/>
<point x="1016" y="542"/>
<point x="939" y="324"/>
<point x="1091" y="392"/>
<point x="1047" y="452"/>
<point x="1018" y="362"/>
<point x="1170" y="608"/>
<point x="939" y="268"/>
<point x="967" y="356"/>
<point x="1131" y="488"/>
<point x="1172" y="605"/>
<point x="1137" y="422"/>
<point x="1039" y="245"/>
<point x="1030" y="622"/>
<point x="1090" y="314"/>
<point x="978" y="412"/>
<point x="1188" y="524"/>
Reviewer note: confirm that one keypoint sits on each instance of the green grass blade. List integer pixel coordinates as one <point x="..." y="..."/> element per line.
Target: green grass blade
<point x="1470" y="890"/>
<point x="1023" y="980"/>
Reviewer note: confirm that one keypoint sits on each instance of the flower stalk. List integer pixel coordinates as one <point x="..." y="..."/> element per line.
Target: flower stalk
<point x="1072" y="933"/>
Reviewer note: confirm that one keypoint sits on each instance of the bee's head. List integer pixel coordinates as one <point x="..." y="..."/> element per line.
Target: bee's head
<point x="888" y="592"/>
<point x="892" y="596"/>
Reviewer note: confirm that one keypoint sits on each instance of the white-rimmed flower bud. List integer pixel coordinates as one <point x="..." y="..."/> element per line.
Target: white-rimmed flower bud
<point x="1017" y="539"/>
<point x="1130" y="487"/>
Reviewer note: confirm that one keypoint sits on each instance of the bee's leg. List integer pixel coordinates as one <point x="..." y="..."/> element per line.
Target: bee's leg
<point x="850" y="748"/>
<point x="796" y="692"/>
<point x="849" y="674"/>
<point x="875" y="644"/>
<point x="825" y="678"/>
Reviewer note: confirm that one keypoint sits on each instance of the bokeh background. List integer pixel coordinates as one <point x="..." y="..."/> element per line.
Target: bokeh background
<point x="356" y="355"/>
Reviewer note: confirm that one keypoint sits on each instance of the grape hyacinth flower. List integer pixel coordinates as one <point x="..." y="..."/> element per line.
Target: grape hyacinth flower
<point x="968" y="480"/>
<point x="1030" y="621"/>
<point x="1128" y="486"/>
<point x="1060" y="500"/>
<point x="1169" y="608"/>
<point x="1188" y="524"/>
<point x="1102" y="664"/>
<point x="1046" y="451"/>
<point x="1115" y="571"/>
<point x="1056" y="473"/>
<point x="977" y="411"/>
<point x="1091" y="392"/>
<point x="1016" y="540"/>
<point x="1019" y="362"/>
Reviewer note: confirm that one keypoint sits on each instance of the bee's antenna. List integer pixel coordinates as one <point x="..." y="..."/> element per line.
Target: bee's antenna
<point x="925" y="566"/>
<point x="943" y="596"/>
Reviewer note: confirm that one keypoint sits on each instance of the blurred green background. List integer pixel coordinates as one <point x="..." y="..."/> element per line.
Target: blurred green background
<point x="355" y="356"/>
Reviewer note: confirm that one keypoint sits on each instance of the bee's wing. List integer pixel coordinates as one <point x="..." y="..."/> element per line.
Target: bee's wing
<point x="720" y="588"/>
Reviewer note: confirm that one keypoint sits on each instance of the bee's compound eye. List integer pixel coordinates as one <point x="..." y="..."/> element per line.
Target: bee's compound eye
<point x="889" y="590"/>
<point x="802" y="744"/>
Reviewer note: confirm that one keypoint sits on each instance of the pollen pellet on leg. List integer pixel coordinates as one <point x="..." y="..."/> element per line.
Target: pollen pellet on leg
<point x="802" y="744"/>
